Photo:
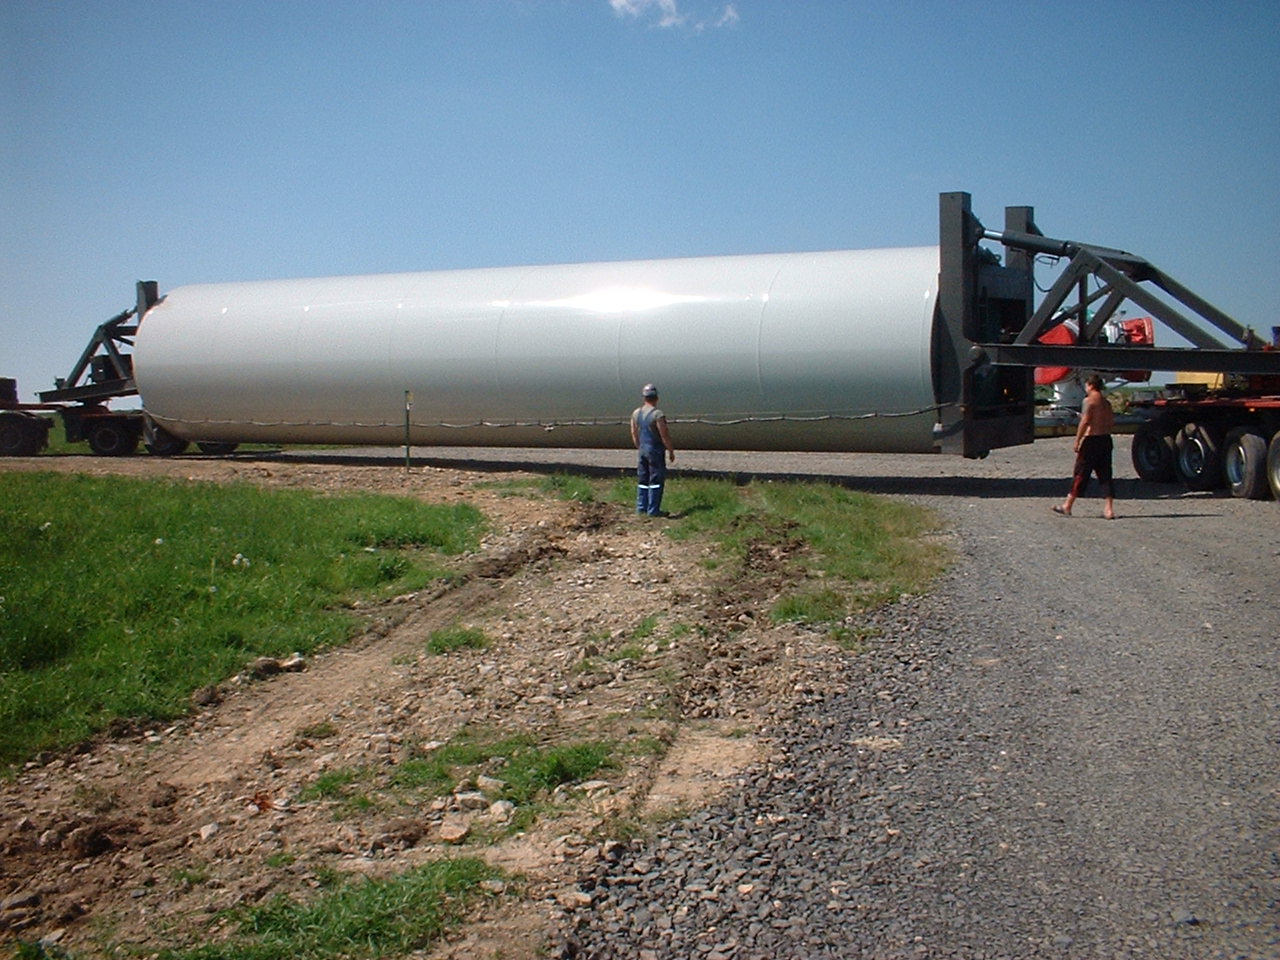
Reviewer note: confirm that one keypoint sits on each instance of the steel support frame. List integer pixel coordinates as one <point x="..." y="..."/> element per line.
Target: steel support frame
<point x="1096" y="278"/>
<point x="1121" y="276"/>
<point x="107" y="339"/>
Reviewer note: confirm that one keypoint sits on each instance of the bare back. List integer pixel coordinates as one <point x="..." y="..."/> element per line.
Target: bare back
<point x="1097" y="419"/>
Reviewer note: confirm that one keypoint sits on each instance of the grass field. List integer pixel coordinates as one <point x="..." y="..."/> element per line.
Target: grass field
<point x="118" y="597"/>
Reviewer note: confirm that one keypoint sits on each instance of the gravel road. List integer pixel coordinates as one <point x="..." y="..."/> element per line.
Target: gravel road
<point x="1070" y="749"/>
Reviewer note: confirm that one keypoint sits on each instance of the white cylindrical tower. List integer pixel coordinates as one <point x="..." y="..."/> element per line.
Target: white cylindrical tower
<point x="809" y="351"/>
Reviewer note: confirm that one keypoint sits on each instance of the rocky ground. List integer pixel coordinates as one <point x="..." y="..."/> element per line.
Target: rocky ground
<point x="1069" y="749"/>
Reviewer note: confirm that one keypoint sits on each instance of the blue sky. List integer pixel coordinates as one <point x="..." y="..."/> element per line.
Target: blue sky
<point x="206" y="141"/>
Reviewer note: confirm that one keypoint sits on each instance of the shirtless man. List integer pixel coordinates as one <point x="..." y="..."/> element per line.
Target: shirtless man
<point x="1093" y="449"/>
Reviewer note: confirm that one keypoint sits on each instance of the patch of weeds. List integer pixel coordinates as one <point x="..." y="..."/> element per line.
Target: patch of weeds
<point x="26" y="950"/>
<point x="331" y="785"/>
<point x="868" y="549"/>
<point x="426" y="775"/>
<point x="437" y="772"/>
<point x="815" y="606"/>
<point x="854" y="639"/>
<point x="280" y="859"/>
<point x="95" y="799"/>
<point x="634" y="648"/>
<point x="624" y="829"/>
<point x="318" y="731"/>
<point x="654" y="747"/>
<point x="508" y="488"/>
<point x="645" y="628"/>
<point x="530" y="773"/>
<point x="192" y="876"/>
<point x="355" y="805"/>
<point x="564" y="486"/>
<point x="628" y="651"/>
<point x="328" y="877"/>
<point x="529" y="770"/>
<point x="456" y="637"/>
<point x="524" y="818"/>
<point x="356" y="917"/>
<point x="344" y="788"/>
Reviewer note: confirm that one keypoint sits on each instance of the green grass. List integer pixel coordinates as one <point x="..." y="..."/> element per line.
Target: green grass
<point x="560" y="486"/>
<point x="847" y="551"/>
<point x="355" y="917"/>
<point x="121" y="596"/>
<point x="456" y="637"/>
<point x="529" y="769"/>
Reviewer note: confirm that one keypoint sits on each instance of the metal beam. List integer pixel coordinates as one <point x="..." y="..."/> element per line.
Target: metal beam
<point x="1226" y="360"/>
<point x="1201" y="306"/>
<point x="1047" y="315"/>
<point x="106" y="390"/>
<point x="1103" y="316"/>
<point x="1172" y="318"/>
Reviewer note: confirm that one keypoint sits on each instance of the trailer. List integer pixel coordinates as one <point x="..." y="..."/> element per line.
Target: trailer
<point x="1210" y="438"/>
<point x="921" y="349"/>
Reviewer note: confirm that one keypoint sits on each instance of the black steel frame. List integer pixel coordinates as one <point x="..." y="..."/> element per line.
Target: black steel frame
<point x="1122" y="276"/>
<point x="113" y="375"/>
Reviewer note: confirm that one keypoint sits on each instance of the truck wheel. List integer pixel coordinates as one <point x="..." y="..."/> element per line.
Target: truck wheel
<point x="216" y="447"/>
<point x="1244" y="462"/>
<point x="1273" y="466"/>
<point x="161" y="443"/>
<point x="1199" y="461"/>
<point x="111" y="438"/>
<point x="1154" y="451"/>
<point x="19" y="436"/>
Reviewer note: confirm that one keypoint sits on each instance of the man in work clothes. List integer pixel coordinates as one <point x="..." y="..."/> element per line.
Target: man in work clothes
<point x="651" y="438"/>
<point x="1093" y="449"/>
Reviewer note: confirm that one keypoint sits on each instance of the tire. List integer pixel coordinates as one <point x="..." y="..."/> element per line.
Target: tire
<point x="216" y="447"/>
<point x="1199" y="457"/>
<point x="161" y="443"/>
<point x="1244" y="463"/>
<point x="1154" y="451"/>
<point x="1273" y="466"/>
<point x="20" y="436"/>
<point x="112" y="438"/>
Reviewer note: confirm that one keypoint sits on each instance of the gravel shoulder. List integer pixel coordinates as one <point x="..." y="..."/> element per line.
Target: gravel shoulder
<point x="1068" y="749"/>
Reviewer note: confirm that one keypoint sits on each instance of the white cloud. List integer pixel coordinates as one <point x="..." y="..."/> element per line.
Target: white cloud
<point x="667" y="14"/>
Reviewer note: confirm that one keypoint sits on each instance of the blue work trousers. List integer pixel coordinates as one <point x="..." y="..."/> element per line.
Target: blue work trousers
<point x="651" y="471"/>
